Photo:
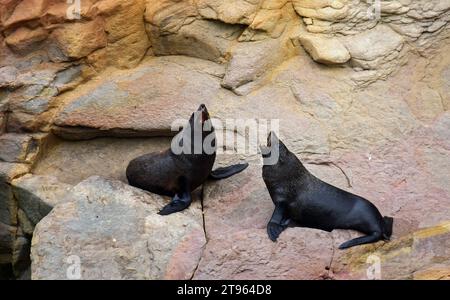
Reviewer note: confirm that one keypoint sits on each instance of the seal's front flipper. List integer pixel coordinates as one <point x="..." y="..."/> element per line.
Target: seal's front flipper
<point x="226" y="172"/>
<point x="180" y="201"/>
<point x="374" y="237"/>
<point x="277" y="223"/>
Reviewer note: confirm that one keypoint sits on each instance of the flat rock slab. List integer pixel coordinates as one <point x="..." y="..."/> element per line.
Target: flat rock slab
<point x="423" y="254"/>
<point x="74" y="161"/>
<point x="114" y="232"/>
<point x="37" y="195"/>
<point x="141" y="102"/>
<point x="325" y="50"/>
<point x="374" y="43"/>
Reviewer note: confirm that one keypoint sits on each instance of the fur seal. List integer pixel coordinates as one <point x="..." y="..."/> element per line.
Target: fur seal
<point x="301" y="199"/>
<point x="177" y="174"/>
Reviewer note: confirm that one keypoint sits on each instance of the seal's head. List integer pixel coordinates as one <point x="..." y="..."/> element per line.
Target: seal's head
<point x="198" y="132"/>
<point x="275" y="153"/>
<point x="204" y="114"/>
<point x="272" y="149"/>
<point x="199" y="117"/>
<point x="200" y="120"/>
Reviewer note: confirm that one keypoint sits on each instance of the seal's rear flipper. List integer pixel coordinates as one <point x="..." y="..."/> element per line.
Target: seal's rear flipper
<point x="387" y="227"/>
<point x="374" y="237"/>
<point x="226" y="172"/>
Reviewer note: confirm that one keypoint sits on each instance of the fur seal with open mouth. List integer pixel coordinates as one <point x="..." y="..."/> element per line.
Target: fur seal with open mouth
<point x="179" y="170"/>
<point x="301" y="199"/>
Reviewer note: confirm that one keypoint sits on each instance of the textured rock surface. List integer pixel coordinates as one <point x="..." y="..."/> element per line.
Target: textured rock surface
<point x="361" y="92"/>
<point x="71" y="162"/>
<point x="116" y="233"/>
<point x="325" y="50"/>
<point x="144" y="102"/>
<point x="423" y="254"/>
<point x="36" y="196"/>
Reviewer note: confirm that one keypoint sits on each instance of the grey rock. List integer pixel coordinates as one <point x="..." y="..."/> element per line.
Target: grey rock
<point x="37" y="195"/>
<point x="15" y="147"/>
<point x="66" y="76"/>
<point x="8" y="75"/>
<point x="114" y="232"/>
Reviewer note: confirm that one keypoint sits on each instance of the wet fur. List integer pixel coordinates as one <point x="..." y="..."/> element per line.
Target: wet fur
<point x="177" y="175"/>
<point x="307" y="201"/>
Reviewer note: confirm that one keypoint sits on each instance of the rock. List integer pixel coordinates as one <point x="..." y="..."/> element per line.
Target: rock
<point x="203" y="39"/>
<point x="250" y="61"/>
<point x="78" y="120"/>
<point x="21" y="257"/>
<point x="115" y="233"/>
<point x="8" y="216"/>
<point x="77" y="40"/>
<point x="24" y="223"/>
<point x="107" y="157"/>
<point x="6" y="243"/>
<point x="26" y="11"/>
<point x="322" y="10"/>
<point x="378" y="126"/>
<point x="132" y="109"/>
<point x="433" y="272"/>
<point x="24" y="40"/>
<point x="2" y="122"/>
<point x="9" y="171"/>
<point x="264" y="18"/>
<point x="67" y="76"/>
<point x="38" y="78"/>
<point x="324" y="49"/>
<point x="231" y="12"/>
<point x="19" y="148"/>
<point x="8" y="75"/>
<point x="410" y="257"/>
<point x="37" y="195"/>
<point x="169" y="15"/>
<point x="127" y="38"/>
<point x="249" y="254"/>
<point x="8" y="206"/>
<point x="372" y="44"/>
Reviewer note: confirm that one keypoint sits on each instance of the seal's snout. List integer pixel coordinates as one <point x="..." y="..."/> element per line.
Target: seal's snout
<point x="272" y="137"/>
<point x="203" y="113"/>
<point x="265" y="151"/>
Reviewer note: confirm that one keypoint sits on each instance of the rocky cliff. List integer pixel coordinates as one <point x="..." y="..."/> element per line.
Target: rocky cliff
<point x="361" y="89"/>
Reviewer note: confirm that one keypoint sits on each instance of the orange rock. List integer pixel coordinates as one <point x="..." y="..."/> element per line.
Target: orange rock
<point x="127" y="39"/>
<point x="78" y="39"/>
<point x="24" y="39"/>
<point x="6" y="9"/>
<point x="26" y="11"/>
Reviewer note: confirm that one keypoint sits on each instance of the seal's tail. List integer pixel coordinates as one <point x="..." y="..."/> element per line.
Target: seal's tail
<point x="387" y="227"/>
<point x="226" y="172"/>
